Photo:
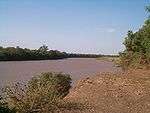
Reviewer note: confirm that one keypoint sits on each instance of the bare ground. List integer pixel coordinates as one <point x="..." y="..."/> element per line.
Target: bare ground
<point x="127" y="92"/>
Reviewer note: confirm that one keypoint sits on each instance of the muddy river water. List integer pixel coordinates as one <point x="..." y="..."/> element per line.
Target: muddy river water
<point x="12" y="71"/>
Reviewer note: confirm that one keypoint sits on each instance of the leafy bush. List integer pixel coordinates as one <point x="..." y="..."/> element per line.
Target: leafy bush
<point x="42" y="94"/>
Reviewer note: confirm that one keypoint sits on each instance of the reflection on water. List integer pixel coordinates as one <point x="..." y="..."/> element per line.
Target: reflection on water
<point x="77" y="67"/>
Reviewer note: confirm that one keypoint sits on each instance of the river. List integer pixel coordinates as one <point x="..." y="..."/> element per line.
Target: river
<point x="13" y="71"/>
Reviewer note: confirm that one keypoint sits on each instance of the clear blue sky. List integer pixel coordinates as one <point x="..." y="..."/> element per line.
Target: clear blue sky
<point x="81" y="26"/>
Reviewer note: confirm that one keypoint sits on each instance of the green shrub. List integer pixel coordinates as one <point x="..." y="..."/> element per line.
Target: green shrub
<point x="42" y="94"/>
<point x="57" y="83"/>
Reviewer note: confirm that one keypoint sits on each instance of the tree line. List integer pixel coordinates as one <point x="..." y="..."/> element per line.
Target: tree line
<point x="43" y="53"/>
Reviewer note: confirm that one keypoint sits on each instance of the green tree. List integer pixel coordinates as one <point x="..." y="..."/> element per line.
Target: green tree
<point x="137" y="52"/>
<point x="43" y="48"/>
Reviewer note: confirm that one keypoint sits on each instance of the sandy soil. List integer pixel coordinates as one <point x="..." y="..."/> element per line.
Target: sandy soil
<point x="127" y="92"/>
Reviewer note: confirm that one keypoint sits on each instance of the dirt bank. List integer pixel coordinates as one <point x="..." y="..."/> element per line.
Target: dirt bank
<point x="127" y="92"/>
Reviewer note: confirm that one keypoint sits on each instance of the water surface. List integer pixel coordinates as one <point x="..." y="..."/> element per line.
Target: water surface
<point x="11" y="71"/>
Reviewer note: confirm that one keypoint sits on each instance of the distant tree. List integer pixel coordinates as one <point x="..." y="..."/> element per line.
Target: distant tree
<point x="43" y="48"/>
<point x="43" y="53"/>
<point x="1" y="48"/>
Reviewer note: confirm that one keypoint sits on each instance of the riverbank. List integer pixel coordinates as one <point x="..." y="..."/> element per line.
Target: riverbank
<point x="126" y="92"/>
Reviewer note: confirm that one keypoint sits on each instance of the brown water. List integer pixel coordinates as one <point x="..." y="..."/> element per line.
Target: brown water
<point x="77" y="67"/>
